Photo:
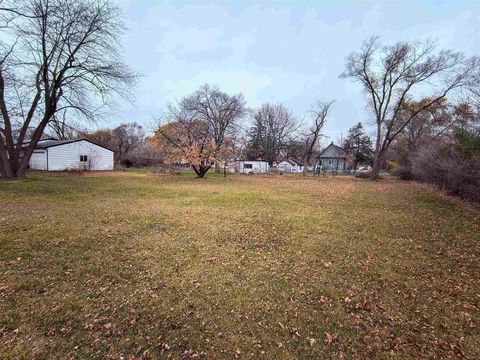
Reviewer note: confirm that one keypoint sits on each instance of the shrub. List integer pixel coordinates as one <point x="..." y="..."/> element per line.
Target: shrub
<point x="363" y="175"/>
<point x="403" y="173"/>
<point x="447" y="167"/>
<point x="127" y="163"/>
<point x="393" y="165"/>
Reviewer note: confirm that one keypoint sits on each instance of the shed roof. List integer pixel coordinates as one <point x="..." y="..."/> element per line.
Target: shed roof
<point x="51" y="143"/>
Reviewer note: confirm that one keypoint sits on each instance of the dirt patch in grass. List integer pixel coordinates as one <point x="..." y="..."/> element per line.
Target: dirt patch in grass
<point x="12" y="211"/>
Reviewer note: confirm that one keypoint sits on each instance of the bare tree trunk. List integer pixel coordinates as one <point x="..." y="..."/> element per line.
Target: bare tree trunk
<point x="377" y="162"/>
<point x="201" y="170"/>
<point x="5" y="167"/>
<point x="71" y="55"/>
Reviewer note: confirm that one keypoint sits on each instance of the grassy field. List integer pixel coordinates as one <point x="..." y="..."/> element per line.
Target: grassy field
<point x="132" y="265"/>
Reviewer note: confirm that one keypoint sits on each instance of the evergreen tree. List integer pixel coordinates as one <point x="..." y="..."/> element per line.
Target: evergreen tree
<point x="359" y="145"/>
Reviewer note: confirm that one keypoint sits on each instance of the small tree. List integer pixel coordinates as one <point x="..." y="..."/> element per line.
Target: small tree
<point x="187" y="140"/>
<point x="358" y="145"/>
<point x="126" y="137"/>
<point x="319" y="114"/>
<point x="147" y="154"/>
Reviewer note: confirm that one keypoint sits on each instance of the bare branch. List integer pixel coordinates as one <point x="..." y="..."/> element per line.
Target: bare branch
<point x="392" y="74"/>
<point x="65" y="56"/>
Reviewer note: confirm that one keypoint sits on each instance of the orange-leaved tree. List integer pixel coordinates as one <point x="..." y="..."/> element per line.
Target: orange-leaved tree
<point x="187" y="141"/>
<point x="199" y="128"/>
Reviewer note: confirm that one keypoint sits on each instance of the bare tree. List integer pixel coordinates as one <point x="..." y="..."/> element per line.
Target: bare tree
<point x="123" y="139"/>
<point x="272" y="131"/>
<point x="63" y="129"/>
<point x="217" y="109"/>
<point x="56" y="55"/>
<point x="146" y="154"/>
<point x="435" y="120"/>
<point x="442" y="123"/>
<point x="391" y="75"/>
<point x="197" y="127"/>
<point x="126" y="137"/>
<point x="319" y="114"/>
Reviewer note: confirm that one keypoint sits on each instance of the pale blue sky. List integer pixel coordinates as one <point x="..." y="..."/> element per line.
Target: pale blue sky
<point x="279" y="51"/>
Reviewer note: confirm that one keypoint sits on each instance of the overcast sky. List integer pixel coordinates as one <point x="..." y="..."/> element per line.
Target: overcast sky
<point x="290" y="52"/>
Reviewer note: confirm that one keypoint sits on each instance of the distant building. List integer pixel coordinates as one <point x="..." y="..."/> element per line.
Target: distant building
<point x="249" y="166"/>
<point x="290" y="165"/>
<point x="333" y="158"/>
<point x="81" y="154"/>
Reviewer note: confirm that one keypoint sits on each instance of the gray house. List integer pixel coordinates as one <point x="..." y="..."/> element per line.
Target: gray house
<point x="332" y="158"/>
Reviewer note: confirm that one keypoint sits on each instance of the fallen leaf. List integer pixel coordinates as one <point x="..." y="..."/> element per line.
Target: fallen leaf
<point x="329" y="337"/>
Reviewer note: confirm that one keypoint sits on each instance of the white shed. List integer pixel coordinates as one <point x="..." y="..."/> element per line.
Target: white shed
<point x="81" y="154"/>
<point x="250" y="166"/>
<point x="290" y="165"/>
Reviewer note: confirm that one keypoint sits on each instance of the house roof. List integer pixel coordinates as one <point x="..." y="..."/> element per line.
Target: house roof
<point x="244" y="160"/>
<point x="45" y="144"/>
<point x="332" y="151"/>
<point x="292" y="162"/>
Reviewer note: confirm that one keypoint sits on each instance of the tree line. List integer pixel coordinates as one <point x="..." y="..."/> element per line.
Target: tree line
<point x="274" y="134"/>
<point x="209" y="127"/>
<point x="61" y="59"/>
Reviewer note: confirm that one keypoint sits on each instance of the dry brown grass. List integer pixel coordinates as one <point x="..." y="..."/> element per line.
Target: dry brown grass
<point x="244" y="267"/>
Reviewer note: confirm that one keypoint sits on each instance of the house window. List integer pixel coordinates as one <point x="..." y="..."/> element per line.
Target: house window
<point x="83" y="158"/>
<point x="330" y="162"/>
<point x="247" y="166"/>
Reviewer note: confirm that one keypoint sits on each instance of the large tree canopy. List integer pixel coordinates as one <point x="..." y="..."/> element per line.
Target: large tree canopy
<point x="54" y="55"/>
<point x="199" y="126"/>
<point x="272" y="131"/>
<point x="393" y="74"/>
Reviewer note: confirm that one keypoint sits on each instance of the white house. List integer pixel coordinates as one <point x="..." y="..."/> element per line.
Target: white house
<point x="250" y="166"/>
<point x="291" y="166"/>
<point x="82" y="154"/>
